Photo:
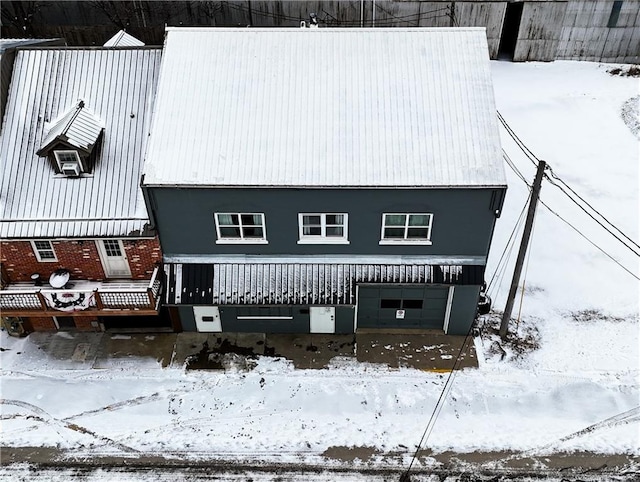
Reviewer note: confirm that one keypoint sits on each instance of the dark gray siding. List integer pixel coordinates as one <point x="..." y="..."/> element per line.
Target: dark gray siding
<point x="463" y="309"/>
<point x="187" y="319"/>
<point x="462" y="224"/>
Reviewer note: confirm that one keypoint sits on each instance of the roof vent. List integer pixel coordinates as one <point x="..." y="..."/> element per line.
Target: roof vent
<point x="70" y="169"/>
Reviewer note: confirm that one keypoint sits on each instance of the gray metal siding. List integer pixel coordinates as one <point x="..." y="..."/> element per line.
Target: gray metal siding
<point x="462" y="224"/>
<point x="463" y="309"/>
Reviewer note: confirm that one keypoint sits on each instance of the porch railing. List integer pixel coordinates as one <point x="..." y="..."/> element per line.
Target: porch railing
<point x="108" y="296"/>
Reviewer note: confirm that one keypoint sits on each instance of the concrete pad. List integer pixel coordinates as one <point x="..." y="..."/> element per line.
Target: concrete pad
<point x="424" y="351"/>
<point x="135" y="349"/>
<point x="310" y="350"/>
<point x="189" y="344"/>
<point x="63" y="350"/>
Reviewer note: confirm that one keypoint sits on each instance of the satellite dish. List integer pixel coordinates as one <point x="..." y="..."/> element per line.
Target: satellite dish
<point x="59" y="278"/>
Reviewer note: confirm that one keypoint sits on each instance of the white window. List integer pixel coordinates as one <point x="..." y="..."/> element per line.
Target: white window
<point x="406" y="228"/>
<point x="67" y="157"/>
<point x="44" y="251"/>
<point x="240" y="228"/>
<point x="322" y="228"/>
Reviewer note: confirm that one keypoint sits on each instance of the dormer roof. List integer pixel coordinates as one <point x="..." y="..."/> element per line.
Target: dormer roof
<point x="123" y="39"/>
<point x="77" y="127"/>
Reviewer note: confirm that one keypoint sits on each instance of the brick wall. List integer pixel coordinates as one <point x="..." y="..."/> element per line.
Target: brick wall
<point x="80" y="257"/>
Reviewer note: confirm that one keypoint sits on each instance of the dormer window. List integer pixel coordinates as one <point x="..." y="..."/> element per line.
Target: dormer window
<point x="71" y="139"/>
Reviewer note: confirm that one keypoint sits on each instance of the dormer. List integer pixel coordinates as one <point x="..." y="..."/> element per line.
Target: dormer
<point x="70" y="141"/>
<point x="123" y="39"/>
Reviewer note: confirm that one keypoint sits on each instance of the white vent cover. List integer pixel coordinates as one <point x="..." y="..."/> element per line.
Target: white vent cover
<point x="70" y="169"/>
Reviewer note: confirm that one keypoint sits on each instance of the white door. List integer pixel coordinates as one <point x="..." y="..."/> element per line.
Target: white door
<point x="114" y="259"/>
<point x="323" y="319"/>
<point x="207" y="318"/>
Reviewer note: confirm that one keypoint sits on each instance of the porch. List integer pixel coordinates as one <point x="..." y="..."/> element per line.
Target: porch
<point x="83" y="298"/>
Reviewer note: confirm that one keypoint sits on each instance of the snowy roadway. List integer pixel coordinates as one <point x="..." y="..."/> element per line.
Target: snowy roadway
<point x="578" y="391"/>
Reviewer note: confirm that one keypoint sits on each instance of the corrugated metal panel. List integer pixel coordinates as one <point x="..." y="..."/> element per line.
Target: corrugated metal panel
<point x="299" y="284"/>
<point x="325" y="107"/>
<point x="123" y="39"/>
<point x="118" y="84"/>
<point x="79" y="126"/>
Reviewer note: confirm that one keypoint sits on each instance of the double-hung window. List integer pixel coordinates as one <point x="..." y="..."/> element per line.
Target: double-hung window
<point x="407" y="228"/>
<point x="323" y="228"/>
<point x="246" y="228"/>
<point x="43" y="250"/>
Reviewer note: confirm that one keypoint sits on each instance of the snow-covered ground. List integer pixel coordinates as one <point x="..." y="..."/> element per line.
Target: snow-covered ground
<point x="584" y="306"/>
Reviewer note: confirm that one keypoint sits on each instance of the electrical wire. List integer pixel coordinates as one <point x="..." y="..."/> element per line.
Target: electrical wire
<point x="553" y="179"/>
<point x="513" y="167"/>
<point x="516" y="227"/>
<point x="591" y="242"/>
<point x="532" y="157"/>
<point x="439" y="404"/>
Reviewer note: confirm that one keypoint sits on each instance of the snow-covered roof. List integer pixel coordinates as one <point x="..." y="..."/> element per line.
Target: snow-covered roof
<point x="77" y="127"/>
<point x="8" y="43"/>
<point x="123" y="39"/>
<point x="325" y="107"/>
<point x="118" y="85"/>
<point x="297" y="283"/>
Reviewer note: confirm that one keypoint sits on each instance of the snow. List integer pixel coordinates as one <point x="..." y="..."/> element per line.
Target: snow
<point x="580" y="307"/>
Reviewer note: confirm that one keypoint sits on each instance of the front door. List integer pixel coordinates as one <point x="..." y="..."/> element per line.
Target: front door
<point x="114" y="259"/>
<point x="207" y="318"/>
<point x="323" y="319"/>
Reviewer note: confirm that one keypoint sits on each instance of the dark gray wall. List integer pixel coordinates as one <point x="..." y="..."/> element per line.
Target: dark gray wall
<point x="463" y="309"/>
<point x="462" y="225"/>
<point x="299" y="324"/>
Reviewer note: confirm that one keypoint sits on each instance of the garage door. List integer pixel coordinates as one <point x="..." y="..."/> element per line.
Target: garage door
<point x="421" y="307"/>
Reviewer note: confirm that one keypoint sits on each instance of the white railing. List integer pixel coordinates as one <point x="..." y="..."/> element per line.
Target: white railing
<point x="104" y="296"/>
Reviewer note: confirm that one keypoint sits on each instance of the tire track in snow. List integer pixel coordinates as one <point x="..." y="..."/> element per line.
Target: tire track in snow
<point x="54" y="422"/>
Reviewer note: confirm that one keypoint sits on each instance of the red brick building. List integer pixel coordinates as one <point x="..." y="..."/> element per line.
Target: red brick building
<point x="77" y="249"/>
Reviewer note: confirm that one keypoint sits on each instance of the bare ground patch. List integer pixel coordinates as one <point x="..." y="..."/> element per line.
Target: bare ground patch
<point x="522" y="338"/>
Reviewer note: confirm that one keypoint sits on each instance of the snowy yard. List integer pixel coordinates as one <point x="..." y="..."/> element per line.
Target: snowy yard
<point x="584" y="307"/>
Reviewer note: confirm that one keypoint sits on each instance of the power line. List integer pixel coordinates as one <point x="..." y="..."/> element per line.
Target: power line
<point x="591" y="242"/>
<point x="511" y="237"/>
<point x="439" y="404"/>
<point x="532" y="157"/>
<point x="513" y="167"/>
<point x="552" y="181"/>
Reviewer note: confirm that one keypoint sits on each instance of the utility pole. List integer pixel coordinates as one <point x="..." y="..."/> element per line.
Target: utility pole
<point x="524" y="244"/>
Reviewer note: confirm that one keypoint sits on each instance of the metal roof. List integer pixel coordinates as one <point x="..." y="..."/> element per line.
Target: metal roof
<point x="123" y="39"/>
<point x="406" y="107"/>
<point x="118" y="84"/>
<point x="77" y="127"/>
<point x="297" y="283"/>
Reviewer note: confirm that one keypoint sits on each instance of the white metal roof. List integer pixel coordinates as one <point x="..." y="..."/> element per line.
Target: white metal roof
<point x="77" y="127"/>
<point x="325" y="107"/>
<point x="123" y="39"/>
<point x="118" y="84"/>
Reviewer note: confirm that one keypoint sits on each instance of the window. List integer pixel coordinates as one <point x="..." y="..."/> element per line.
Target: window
<point x="404" y="304"/>
<point x="406" y="228"/>
<point x="240" y="228"/>
<point x="615" y="14"/>
<point x="68" y="157"/>
<point x="322" y="228"/>
<point x="44" y="251"/>
<point x="112" y="247"/>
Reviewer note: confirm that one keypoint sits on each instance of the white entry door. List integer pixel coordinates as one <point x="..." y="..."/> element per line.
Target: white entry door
<point x="114" y="259"/>
<point x="323" y="319"/>
<point x="207" y="318"/>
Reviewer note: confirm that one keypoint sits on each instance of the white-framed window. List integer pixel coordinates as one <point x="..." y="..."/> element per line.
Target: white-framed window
<point x="246" y="228"/>
<point x="323" y="228"/>
<point x="44" y="251"/>
<point x="406" y="228"/>
<point x="68" y="157"/>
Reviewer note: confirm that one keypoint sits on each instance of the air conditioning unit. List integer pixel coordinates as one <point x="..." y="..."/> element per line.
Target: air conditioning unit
<point x="71" y="169"/>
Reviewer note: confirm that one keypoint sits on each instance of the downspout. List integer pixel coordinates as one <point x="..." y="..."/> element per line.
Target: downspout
<point x="361" y="13"/>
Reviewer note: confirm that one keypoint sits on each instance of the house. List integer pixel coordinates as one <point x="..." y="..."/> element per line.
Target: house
<point x="324" y="180"/>
<point x="77" y="250"/>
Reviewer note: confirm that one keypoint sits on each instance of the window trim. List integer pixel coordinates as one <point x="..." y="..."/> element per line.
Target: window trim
<point x="241" y="239"/>
<point x="323" y="238"/>
<point x="67" y="151"/>
<point x="406" y="241"/>
<point x="36" y="251"/>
